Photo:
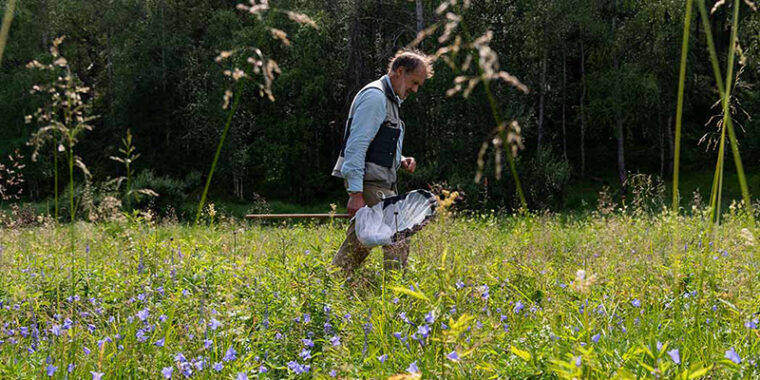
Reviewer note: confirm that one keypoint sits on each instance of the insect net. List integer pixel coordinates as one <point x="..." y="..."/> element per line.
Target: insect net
<point x="395" y="218"/>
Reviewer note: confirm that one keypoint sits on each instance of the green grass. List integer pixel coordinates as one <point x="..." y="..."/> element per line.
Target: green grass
<point x="583" y="194"/>
<point x="504" y="294"/>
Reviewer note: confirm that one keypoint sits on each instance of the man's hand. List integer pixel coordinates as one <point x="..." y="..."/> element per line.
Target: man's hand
<point x="409" y="164"/>
<point x="355" y="202"/>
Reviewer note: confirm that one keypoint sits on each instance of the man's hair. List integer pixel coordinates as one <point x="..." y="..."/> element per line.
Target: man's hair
<point x="411" y="59"/>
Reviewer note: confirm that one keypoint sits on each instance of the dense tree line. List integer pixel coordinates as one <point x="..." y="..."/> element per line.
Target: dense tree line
<point x="602" y="76"/>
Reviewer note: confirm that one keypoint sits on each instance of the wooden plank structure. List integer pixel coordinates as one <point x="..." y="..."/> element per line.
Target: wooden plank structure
<point x="296" y="216"/>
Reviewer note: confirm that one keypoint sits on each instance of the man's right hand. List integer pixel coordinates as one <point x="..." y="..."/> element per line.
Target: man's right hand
<point x="355" y="202"/>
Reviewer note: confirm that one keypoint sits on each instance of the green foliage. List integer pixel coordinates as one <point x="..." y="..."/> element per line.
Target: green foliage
<point x="159" y="78"/>
<point x="532" y="296"/>
<point x="546" y="177"/>
<point x="170" y="191"/>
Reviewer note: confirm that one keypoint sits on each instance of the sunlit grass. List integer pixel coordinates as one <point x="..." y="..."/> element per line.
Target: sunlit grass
<point x="504" y="295"/>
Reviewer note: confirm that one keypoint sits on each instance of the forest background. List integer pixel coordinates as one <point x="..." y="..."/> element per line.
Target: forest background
<point x="603" y="80"/>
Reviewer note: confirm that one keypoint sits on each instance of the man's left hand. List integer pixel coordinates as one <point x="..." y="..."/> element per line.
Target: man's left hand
<point x="409" y="164"/>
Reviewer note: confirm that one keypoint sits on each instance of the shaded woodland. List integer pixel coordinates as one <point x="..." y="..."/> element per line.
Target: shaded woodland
<point x="602" y="75"/>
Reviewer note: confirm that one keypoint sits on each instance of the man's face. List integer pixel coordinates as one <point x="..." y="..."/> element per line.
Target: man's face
<point x="410" y="81"/>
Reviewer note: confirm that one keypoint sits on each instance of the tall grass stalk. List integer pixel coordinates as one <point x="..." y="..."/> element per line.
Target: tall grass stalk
<point x="679" y="107"/>
<point x="724" y="94"/>
<point x="498" y="119"/>
<point x="219" y="150"/>
<point x="55" y="177"/>
<point x="5" y="29"/>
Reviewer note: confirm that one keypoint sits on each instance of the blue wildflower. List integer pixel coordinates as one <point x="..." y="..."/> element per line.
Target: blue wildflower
<point x="217" y="366"/>
<point x="518" y="307"/>
<point x="429" y="318"/>
<point x="453" y="356"/>
<point x="51" y="370"/>
<point x="484" y="292"/>
<point x="241" y="376"/>
<point x="208" y="343"/>
<point x="459" y="284"/>
<point x="140" y="335"/>
<point x="675" y="356"/>
<point x="160" y="342"/>
<point x="167" y="372"/>
<point x="413" y="368"/>
<point x="307" y="342"/>
<point x="143" y="314"/>
<point x="71" y="367"/>
<point x="214" y="324"/>
<point x="733" y="356"/>
<point x="578" y="361"/>
<point x="306" y="318"/>
<point x="187" y="369"/>
<point x="382" y="358"/>
<point x="97" y="375"/>
<point x="305" y="354"/>
<point x="636" y="302"/>
<point x="335" y="340"/>
<point x="595" y="338"/>
<point x="423" y="330"/>
<point x="56" y="330"/>
<point x="230" y="355"/>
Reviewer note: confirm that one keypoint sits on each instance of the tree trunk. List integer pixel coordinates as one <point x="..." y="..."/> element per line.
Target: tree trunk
<point x="564" y="86"/>
<point x="541" y="99"/>
<point x="44" y="24"/>
<point x="582" y="113"/>
<point x="354" y="60"/>
<point x="671" y="145"/>
<point x="109" y="64"/>
<point x="621" y="153"/>
<point x="420" y="20"/>
<point x="163" y="49"/>
<point x="662" y="145"/>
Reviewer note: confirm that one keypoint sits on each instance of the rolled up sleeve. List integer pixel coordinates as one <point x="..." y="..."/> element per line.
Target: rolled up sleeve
<point x="369" y="114"/>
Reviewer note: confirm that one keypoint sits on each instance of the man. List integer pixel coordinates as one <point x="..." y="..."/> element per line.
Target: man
<point x="371" y="153"/>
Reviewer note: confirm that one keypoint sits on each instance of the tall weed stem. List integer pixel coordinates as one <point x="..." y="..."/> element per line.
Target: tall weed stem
<point x="679" y="107"/>
<point x="219" y="150"/>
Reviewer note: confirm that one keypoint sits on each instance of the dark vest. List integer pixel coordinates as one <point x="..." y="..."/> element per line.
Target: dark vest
<point x="380" y="165"/>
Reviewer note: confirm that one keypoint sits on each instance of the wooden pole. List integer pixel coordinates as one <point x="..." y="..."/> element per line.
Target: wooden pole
<point x="277" y="216"/>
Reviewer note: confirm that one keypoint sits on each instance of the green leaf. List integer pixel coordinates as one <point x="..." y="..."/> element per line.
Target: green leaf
<point x="700" y="372"/>
<point x="408" y="292"/>
<point x="525" y="355"/>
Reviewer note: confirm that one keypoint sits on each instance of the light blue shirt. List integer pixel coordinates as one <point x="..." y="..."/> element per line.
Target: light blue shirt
<point x="368" y="115"/>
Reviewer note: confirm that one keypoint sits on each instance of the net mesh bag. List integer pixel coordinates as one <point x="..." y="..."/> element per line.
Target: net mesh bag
<point x="395" y="218"/>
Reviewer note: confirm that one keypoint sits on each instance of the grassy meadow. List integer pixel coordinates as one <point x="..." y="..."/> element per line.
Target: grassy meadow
<point x="617" y="294"/>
